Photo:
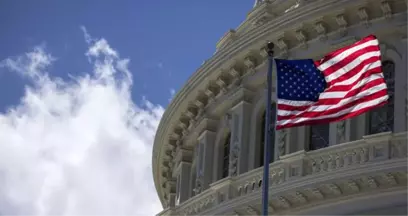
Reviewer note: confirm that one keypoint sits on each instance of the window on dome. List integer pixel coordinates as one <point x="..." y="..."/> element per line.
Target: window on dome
<point x="226" y="153"/>
<point x="381" y="119"/>
<point x="262" y="143"/>
<point x="319" y="136"/>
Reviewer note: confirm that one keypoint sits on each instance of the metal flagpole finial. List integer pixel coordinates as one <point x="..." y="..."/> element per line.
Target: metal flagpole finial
<point x="269" y="49"/>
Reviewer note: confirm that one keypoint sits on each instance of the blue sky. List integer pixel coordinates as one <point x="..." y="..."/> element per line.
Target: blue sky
<point x="83" y="87"/>
<point x="166" y="40"/>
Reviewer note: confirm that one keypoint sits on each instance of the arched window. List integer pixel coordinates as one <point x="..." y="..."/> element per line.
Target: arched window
<point x="381" y="119"/>
<point x="319" y="136"/>
<point x="262" y="134"/>
<point x="226" y="153"/>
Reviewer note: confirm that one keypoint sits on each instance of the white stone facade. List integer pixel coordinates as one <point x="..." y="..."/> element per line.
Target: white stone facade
<point x="208" y="150"/>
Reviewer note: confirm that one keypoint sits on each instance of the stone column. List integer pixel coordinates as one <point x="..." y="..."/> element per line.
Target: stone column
<point x="339" y="132"/>
<point x="292" y="142"/>
<point x="205" y="158"/>
<point x="282" y="146"/>
<point x="358" y="126"/>
<point x="183" y="179"/>
<point x="302" y="138"/>
<point x="240" y="132"/>
<point x="182" y="173"/>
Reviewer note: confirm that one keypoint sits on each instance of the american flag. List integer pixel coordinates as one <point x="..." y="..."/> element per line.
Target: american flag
<point x="345" y="83"/>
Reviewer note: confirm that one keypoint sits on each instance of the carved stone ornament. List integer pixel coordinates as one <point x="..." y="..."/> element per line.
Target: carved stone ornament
<point x="233" y="169"/>
<point x="198" y="186"/>
<point x="236" y="126"/>
<point x="341" y="131"/>
<point x="282" y="141"/>
<point x="342" y="23"/>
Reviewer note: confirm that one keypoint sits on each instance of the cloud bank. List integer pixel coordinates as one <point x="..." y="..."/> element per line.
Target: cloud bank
<point x="77" y="147"/>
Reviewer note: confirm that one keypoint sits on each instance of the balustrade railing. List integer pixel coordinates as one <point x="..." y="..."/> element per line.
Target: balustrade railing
<point x="370" y="149"/>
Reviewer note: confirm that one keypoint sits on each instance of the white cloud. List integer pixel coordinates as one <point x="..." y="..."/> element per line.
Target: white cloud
<point x="77" y="147"/>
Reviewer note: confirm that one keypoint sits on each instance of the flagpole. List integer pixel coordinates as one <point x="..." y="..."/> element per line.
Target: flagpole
<point x="268" y="142"/>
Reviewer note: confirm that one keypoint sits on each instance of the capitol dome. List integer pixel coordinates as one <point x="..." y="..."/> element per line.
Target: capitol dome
<point x="208" y="150"/>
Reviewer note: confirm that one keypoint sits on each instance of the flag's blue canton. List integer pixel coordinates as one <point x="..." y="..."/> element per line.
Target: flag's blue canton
<point x="299" y="80"/>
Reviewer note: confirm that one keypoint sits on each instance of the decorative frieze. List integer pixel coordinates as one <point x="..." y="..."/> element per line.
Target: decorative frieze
<point x="250" y="63"/>
<point x="301" y="37"/>
<point x="168" y="155"/>
<point x="321" y="29"/>
<point x="222" y="85"/>
<point x="210" y="94"/>
<point x="190" y="113"/>
<point x="300" y="198"/>
<point x="175" y="136"/>
<point x="372" y="183"/>
<point x="200" y="107"/>
<point x="284" y="203"/>
<point x="342" y="23"/>
<point x="386" y="10"/>
<point x="363" y="15"/>
<point x="352" y="186"/>
<point x="283" y="46"/>
<point x="316" y="193"/>
<point x="334" y="189"/>
<point x="390" y="179"/>
<point x="236" y="76"/>
<point x="263" y="52"/>
<point x="183" y="125"/>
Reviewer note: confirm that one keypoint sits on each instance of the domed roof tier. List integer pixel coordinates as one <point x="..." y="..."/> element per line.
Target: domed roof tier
<point x="299" y="29"/>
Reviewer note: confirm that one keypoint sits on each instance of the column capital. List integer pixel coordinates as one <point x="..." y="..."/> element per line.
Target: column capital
<point x="240" y="104"/>
<point x="183" y="178"/>
<point x="205" y="133"/>
<point x="179" y="167"/>
<point x="206" y="124"/>
<point x="183" y="156"/>
<point x="205" y="155"/>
